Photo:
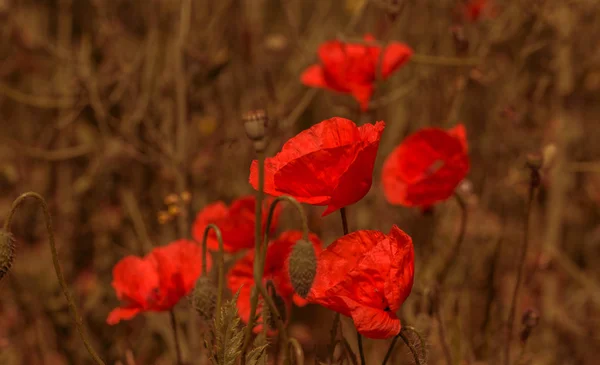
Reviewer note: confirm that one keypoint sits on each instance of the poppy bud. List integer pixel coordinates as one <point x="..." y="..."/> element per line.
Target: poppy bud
<point x="171" y="199"/>
<point x="204" y="297"/>
<point x="255" y="123"/>
<point x="535" y="161"/>
<point x="186" y="196"/>
<point x="303" y="267"/>
<point x="7" y="252"/>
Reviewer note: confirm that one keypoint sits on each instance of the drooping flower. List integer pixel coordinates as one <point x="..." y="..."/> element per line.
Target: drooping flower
<point x="426" y="167"/>
<point x="157" y="281"/>
<point x="352" y="68"/>
<point x="329" y="164"/>
<point x="366" y="275"/>
<point x="241" y="276"/>
<point x="236" y="223"/>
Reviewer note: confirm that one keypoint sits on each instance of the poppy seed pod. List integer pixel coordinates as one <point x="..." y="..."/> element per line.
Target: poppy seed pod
<point x="204" y="298"/>
<point x="7" y="252"/>
<point x="255" y="123"/>
<point x="303" y="267"/>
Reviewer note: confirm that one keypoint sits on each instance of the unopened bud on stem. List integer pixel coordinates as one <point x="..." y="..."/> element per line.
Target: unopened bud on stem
<point x="303" y="267"/>
<point x="205" y="297"/>
<point x="7" y="252"/>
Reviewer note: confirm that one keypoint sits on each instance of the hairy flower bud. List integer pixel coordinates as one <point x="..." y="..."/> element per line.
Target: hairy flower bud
<point x="204" y="297"/>
<point x="303" y="267"/>
<point x="255" y="123"/>
<point x="7" y="252"/>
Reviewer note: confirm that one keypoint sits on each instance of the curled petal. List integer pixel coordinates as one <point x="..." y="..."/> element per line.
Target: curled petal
<point x="314" y="76"/>
<point x="119" y="314"/>
<point x="395" y="56"/>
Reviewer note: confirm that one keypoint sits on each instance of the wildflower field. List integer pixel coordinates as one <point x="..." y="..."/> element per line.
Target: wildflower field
<point x="295" y="182"/>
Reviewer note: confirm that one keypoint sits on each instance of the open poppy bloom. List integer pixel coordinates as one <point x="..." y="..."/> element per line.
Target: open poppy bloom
<point x="366" y="275"/>
<point x="157" y="281"/>
<point x="330" y="164"/>
<point x="352" y="68"/>
<point x="426" y="167"/>
<point x="236" y="223"/>
<point x="241" y="276"/>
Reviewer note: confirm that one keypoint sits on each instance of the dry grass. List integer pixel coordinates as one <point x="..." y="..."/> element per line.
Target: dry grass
<point x="107" y="106"/>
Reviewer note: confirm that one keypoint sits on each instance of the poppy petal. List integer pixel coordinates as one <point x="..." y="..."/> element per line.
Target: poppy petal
<point x="362" y="94"/>
<point x="395" y="56"/>
<point x="402" y="269"/>
<point x="459" y="132"/>
<point x="354" y="184"/>
<point x="314" y="76"/>
<point x="372" y="322"/>
<point x="121" y="314"/>
<point x="134" y="279"/>
<point x="212" y="213"/>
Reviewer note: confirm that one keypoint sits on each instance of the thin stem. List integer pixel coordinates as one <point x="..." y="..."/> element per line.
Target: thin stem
<point x="57" y="268"/>
<point x="411" y="347"/>
<point x="361" y="351"/>
<point x="344" y="220"/>
<point x="459" y="240"/>
<point x="271" y="214"/>
<point x="175" y="336"/>
<point x="388" y="354"/>
<point x="333" y="335"/>
<point x="349" y="351"/>
<point x="221" y="273"/>
<point x="257" y="241"/>
<point x="297" y="351"/>
<point x="521" y="268"/>
<point x="442" y="331"/>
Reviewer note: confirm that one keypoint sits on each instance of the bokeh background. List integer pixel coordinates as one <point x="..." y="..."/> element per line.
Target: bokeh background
<point x="108" y="106"/>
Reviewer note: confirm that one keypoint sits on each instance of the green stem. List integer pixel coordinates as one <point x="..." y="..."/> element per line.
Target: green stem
<point x="59" y="274"/>
<point x="221" y="273"/>
<point x="270" y="216"/>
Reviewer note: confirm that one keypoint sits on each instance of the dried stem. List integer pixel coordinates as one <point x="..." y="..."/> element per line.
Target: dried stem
<point x="442" y="330"/>
<point x="458" y="243"/>
<point x="176" y="336"/>
<point x="521" y="268"/>
<point x="221" y="269"/>
<point x="57" y="267"/>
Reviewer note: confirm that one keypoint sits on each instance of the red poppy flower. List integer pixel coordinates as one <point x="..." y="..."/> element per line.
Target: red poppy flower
<point x="330" y="164"/>
<point x="157" y="281"/>
<point x="366" y="275"/>
<point x="426" y="167"/>
<point x="352" y="68"/>
<point x="241" y="276"/>
<point x="236" y="223"/>
<point x="474" y="10"/>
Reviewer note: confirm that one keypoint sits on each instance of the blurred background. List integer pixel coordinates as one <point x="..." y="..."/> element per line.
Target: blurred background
<point x="108" y="106"/>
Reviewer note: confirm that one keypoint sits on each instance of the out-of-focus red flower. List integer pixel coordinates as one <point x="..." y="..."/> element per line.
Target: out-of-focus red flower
<point x="426" y="167"/>
<point x="352" y="68"/>
<point x="241" y="276"/>
<point x="330" y="164"/>
<point x="366" y="275"/>
<point x="157" y="281"/>
<point x="236" y="223"/>
<point x="474" y="10"/>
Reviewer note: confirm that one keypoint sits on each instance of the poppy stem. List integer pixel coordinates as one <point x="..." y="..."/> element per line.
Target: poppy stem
<point x="361" y="351"/>
<point x="297" y="351"/>
<point x="534" y="182"/>
<point x="344" y="220"/>
<point x="388" y="354"/>
<point x="175" y="336"/>
<point x="221" y="273"/>
<point x="411" y="347"/>
<point x="57" y="268"/>
<point x="271" y="214"/>
<point x="258" y="268"/>
<point x="441" y="277"/>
